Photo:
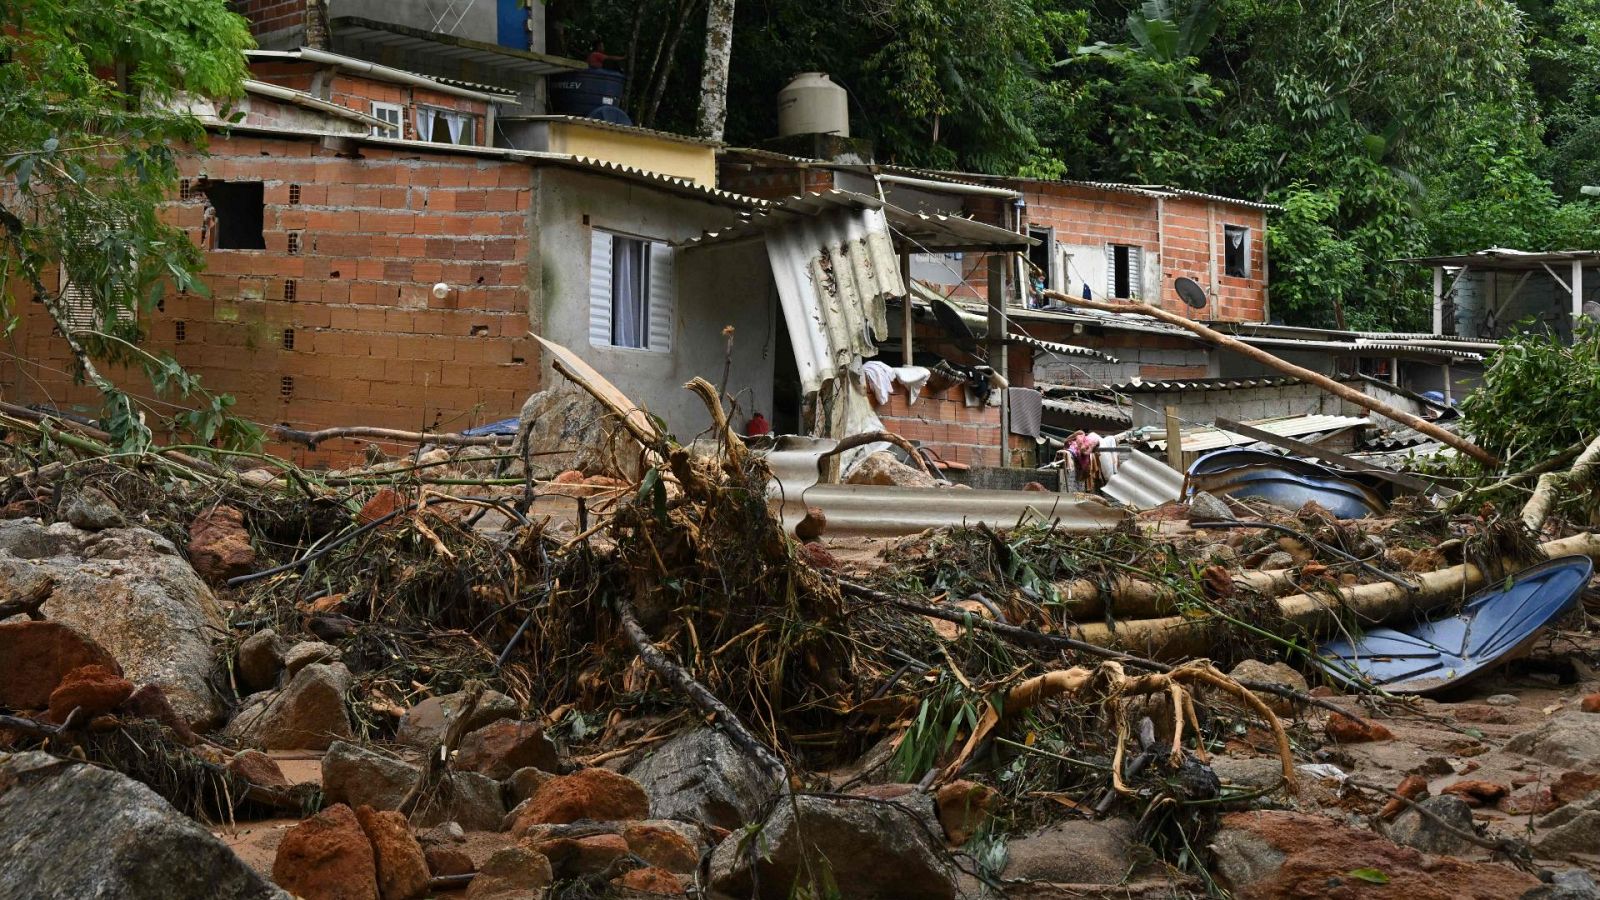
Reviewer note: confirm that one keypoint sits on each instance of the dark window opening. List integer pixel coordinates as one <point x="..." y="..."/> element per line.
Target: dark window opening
<point x="286" y="386"/>
<point x="293" y="242"/>
<point x="235" y="215"/>
<point x="294" y="193"/>
<point x="1122" y="271"/>
<point x="185" y="190"/>
<point x="180" y="330"/>
<point x="291" y="289"/>
<point x="161" y="304"/>
<point x="1041" y="259"/>
<point x="288" y="339"/>
<point x="1236" y="251"/>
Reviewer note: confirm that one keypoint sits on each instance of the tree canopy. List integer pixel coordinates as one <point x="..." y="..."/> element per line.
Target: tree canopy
<point x="1386" y="128"/>
<point x="92" y="115"/>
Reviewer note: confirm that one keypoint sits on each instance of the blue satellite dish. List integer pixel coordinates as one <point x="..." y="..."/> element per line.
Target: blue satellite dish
<point x="1494" y="625"/>
<point x="1285" y="481"/>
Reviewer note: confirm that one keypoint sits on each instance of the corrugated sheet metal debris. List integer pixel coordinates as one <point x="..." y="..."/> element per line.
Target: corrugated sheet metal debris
<point x="1060" y="349"/>
<point x="1115" y="416"/>
<point x="1144" y="482"/>
<point x="1212" y="438"/>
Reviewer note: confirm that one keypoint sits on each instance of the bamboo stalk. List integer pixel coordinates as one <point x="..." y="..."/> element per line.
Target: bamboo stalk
<point x="1178" y="637"/>
<point x="1343" y="392"/>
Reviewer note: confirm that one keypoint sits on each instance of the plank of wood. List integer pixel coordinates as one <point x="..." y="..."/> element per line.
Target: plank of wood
<point x="1339" y="459"/>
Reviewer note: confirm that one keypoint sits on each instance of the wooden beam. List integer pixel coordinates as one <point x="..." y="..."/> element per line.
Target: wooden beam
<point x="1328" y="456"/>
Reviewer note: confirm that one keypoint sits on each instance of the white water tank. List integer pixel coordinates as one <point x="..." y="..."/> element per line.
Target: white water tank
<point x="813" y="104"/>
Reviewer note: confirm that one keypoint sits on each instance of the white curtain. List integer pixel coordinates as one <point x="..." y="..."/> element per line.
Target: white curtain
<point x="455" y="121"/>
<point x="424" y="123"/>
<point x="628" y="304"/>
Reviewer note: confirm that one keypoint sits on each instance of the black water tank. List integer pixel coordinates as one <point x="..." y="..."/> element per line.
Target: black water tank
<point x="576" y="93"/>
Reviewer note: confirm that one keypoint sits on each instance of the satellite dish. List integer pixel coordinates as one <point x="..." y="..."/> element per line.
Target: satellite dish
<point x="1190" y="292"/>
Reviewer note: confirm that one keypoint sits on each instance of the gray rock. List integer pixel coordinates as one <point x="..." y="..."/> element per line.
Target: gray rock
<point x="522" y="783"/>
<point x="308" y="714"/>
<point x="872" y="849"/>
<point x="700" y="776"/>
<point x="1563" y="815"/>
<point x="443" y="835"/>
<point x="564" y="428"/>
<point x="73" y="831"/>
<point x="1249" y="773"/>
<point x="260" y="659"/>
<point x="1413" y="829"/>
<point x="1573" y="884"/>
<point x="1579" y="834"/>
<point x="1569" y="740"/>
<point x="1278" y="673"/>
<point x="470" y="799"/>
<point x="91" y="510"/>
<point x="1203" y="507"/>
<point x="307" y="652"/>
<point x="1502" y="700"/>
<point x="423" y="725"/>
<point x="1075" y="852"/>
<point x="132" y="592"/>
<point x="1277" y="560"/>
<point x="1244" y="857"/>
<point x="512" y="874"/>
<point x="359" y="777"/>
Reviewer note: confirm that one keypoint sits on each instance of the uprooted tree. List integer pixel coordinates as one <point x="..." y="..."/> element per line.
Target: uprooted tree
<point x="93" y="113"/>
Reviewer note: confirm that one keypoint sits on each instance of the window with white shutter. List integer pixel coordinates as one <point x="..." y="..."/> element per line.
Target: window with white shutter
<point x="1123" y="268"/>
<point x="631" y="292"/>
<point x="81" y="314"/>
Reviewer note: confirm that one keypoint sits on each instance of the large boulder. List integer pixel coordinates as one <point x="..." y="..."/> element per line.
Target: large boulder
<point x="598" y="794"/>
<point x="260" y="659"/>
<point x="423" y="725"/>
<point x="355" y="775"/>
<point x="36" y="656"/>
<point x="71" y="830"/>
<point x="1570" y="740"/>
<point x="514" y="873"/>
<point x="564" y="428"/>
<point x="1420" y="832"/>
<point x="870" y="848"/>
<point x="402" y="867"/>
<point x="1274" y="853"/>
<point x="882" y="468"/>
<point x="219" y="544"/>
<point x="475" y="801"/>
<point x="308" y="714"/>
<point x="501" y="748"/>
<point x="700" y="776"/>
<point x="327" y="857"/>
<point x="1075" y="852"/>
<point x="132" y="592"/>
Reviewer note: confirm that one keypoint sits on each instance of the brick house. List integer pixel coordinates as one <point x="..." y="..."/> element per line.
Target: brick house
<point x="360" y="279"/>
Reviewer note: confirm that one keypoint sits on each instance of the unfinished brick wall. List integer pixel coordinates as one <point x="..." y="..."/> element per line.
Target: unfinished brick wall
<point x="945" y="423"/>
<point x="343" y="330"/>
<point x="772" y="183"/>
<point x="1194" y="231"/>
<point x="267" y="16"/>
<point x="359" y="93"/>
<point x="1150" y="357"/>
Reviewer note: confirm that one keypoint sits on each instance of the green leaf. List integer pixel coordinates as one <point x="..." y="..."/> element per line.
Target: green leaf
<point x="1369" y="875"/>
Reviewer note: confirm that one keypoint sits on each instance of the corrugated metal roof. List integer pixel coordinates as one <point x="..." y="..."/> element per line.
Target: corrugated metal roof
<point x="1213" y="438"/>
<point x="1204" y="384"/>
<point x="1094" y="410"/>
<point x="1144" y="482"/>
<point x="603" y="125"/>
<point x="1504" y="258"/>
<point x="936" y="233"/>
<point x="833" y="272"/>
<point x="1059" y="349"/>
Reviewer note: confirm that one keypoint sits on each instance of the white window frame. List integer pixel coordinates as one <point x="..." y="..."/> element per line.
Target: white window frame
<point x="1248" y="269"/>
<point x="396" y="128"/>
<point x="1135" y="271"/>
<point x="469" y="124"/>
<point x="658" y="291"/>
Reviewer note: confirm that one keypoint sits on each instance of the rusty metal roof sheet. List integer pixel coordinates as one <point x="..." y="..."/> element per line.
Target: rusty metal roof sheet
<point x="1214" y="438"/>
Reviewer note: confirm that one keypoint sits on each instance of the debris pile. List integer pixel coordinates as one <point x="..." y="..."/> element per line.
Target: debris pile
<point x="615" y="673"/>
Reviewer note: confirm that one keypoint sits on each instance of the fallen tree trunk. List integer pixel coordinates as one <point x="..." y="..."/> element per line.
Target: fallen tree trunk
<point x="1133" y="598"/>
<point x="311" y="439"/>
<point x="1543" y="500"/>
<point x="1343" y="392"/>
<point x="1179" y="637"/>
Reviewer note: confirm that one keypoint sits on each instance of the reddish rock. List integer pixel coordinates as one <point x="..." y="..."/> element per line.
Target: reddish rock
<point x="500" y="748"/>
<point x="570" y="476"/>
<point x="1570" y="786"/>
<point x="150" y="702"/>
<point x="35" y="656"/>
<point x="1530" y="799"/>
<point x="1477" y="792"/>
<point x="598" y="794"/>
<point x="662" y="846"/>
<point x="818" y="556"/>
<point x="515" y="872"/>
<point x="257" y="768"/>
<point x="964" y="807"/>
<point x="1346" y="730"/>
<point x="327" y="857"/>
<point x="812" y="524"/>
<point x="22" y="509"/>
<point x="219" y="544"/>
<point x="448" y="861"/>
<point x="575" y="857"/>
<point x="1037" y="488"/>
<point x="1276" y="854"/>
<point x="650" y="881"/>
<point x="382" y="503"/>
<point x="1412" y="787"/>
<point x="92" y="690"/>
<point x="402" y="868"/>
<point x="1591" y="704"/>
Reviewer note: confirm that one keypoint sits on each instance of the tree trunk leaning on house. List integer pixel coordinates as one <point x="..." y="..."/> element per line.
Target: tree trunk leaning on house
<point x="714" y="77"/>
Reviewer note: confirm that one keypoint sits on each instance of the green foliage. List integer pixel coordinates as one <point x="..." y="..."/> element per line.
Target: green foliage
<point x="1319" y="262"/>
<point x="90" y="115"/>
<point x="1538" y="397"/>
